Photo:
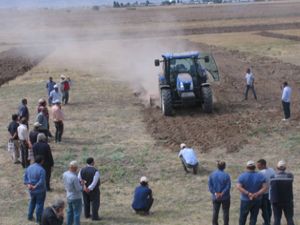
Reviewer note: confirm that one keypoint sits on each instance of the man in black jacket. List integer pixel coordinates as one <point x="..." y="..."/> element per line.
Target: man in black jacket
<point x="281" y="194"/>
<point x="54" y="215"/>
<point x="91" y="194"/>
<point x="43" y="148"/>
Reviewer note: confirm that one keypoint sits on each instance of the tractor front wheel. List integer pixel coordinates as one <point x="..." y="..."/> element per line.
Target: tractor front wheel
<point x="166" y="102"/>
<point x="207" y="99"/>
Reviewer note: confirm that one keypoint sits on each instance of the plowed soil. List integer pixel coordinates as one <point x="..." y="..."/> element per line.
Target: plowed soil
<point x="234" y="119"/>
<point x="17" y="61"/>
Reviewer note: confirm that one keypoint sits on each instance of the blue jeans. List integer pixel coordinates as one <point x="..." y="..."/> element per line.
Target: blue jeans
<point x="36" y="202"/>
<point x="74" y="211"/>
<point x="247" y="207"/>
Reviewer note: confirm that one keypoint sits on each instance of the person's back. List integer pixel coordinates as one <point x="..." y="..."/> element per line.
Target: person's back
<point x="50" y="218"/>
<point x="219" y="181"/>
<point x="72" y="185"/>
<point x="189" y="156"/>
<point x="33" y="136"/>
<point x="281" y="187"/>
<point x="35" y="175"/>
<point x="43" y="148"/>
<point x="141" y="197"/>
<point x="252" y="181"/>
<point x="42" y="119"/>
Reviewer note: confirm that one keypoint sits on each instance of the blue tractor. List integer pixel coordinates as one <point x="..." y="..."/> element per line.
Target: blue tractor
<point x="183" y="80"/>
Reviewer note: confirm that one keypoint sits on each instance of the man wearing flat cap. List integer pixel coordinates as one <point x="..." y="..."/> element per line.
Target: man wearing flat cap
<point x="252" y="185"/>
<point x="188" y="158"/>
<point x="281" y="194"/>
<point x="143" y="199"/>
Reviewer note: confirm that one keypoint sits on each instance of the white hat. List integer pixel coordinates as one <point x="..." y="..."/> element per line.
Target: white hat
<point x="182" y="145"/>
<point x="62" y="76"/>
<point x="250" y="163"/>
<point x="281" y="163"/>
<point x="55" y="86"/>
<point x="73" y="164"/>
<point x="56" y="101"/>
<point x="144" y="179"/>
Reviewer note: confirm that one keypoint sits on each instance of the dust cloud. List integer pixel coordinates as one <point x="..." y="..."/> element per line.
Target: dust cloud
<point x="105" y="42"/>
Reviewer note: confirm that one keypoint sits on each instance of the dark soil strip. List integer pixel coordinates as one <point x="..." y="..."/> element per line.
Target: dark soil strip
<point x="280" y="36"/>
<point x="17" y="61"/>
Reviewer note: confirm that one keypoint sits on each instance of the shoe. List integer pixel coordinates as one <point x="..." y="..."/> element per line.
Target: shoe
<point x="31" y="219"/>
<point x="17" y="162"/>
<point x="96" y="219"/>
<point x="284" y="119"/>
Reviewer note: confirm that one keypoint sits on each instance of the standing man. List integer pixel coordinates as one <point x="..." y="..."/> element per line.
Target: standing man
<point x="252" y="186"/>
<point x="34" y="179"/>
<point x="286" y="100"/>
<point x="34" y="133"/>
<point x="50" y="87"/>
<point x="65" y="87"/>
<point x="54" y="215"/>
<point x="58" y="117"/>
<point x="143" y="198"/>
<point x="13" y="131"/>
<point x="74" y="194"/>
<point x="249" y="84"/>
<point x="188" y="158"/>
<point x="43" y="148"/>
<point x="265" y="202"/>
<point x="23" y="110"/>
<point x="219" y="185"/>
<point x="91" y="194"/>
<point x="281" y="194"/>
<point x="42" y="119"/>
<point x="24" y="142"/>
<point x="55" y="95"/>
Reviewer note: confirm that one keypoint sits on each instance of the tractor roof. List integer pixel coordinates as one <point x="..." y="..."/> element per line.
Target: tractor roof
<point x="182" y="55"/>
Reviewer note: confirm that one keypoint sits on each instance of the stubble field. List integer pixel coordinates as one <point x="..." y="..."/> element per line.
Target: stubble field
<point x="109" y="55"/>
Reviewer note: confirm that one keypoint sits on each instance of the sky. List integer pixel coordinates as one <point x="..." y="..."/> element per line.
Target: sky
<point x="59" y="3"/>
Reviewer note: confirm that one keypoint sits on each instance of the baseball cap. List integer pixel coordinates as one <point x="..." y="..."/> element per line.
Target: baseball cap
<point x="37" y="124"/>
<point x="281" y="163"/>
<point x="55" y="86"/>
<point x="250" y="163"/>
<point x="144" y="179"/>
<point x="182" y="145"/>
<point x="62" y="76"/>
<point x="73" y="164"/>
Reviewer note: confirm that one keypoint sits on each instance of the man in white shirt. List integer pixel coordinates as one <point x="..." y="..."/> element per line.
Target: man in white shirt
<point x="286" y="100"/>
<point x="23" y="135"/>
<point x="265" y="202"/>
<point x="249" y="84"/>
<point x="188" y="158"/>
<point x="55" y="95"/>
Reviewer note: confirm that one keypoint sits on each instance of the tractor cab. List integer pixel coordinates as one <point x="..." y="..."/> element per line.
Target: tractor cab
<point x="185" y="75"/>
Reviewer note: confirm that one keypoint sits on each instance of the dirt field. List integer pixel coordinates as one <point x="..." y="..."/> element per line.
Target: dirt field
<point x="109" y="55"/>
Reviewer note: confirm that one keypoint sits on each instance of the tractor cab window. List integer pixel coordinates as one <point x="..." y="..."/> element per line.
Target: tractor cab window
<point x="209" y="66"/>
<point x="182" y="66"/>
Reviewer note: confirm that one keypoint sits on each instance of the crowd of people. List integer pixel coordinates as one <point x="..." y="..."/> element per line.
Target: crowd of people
<point x="265" y="190"/>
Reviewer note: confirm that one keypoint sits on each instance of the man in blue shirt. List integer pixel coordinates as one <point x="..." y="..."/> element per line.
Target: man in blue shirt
<point x="143" y="199"/>
<point x="188" y="158"/>
<point x="35" y="180"/>
<point x="50" y="86"/>
<point x="219" y="184"/>
<point x="252" y="186"/>
<point x="23" y="109"/>
<point x="286" y="100"/>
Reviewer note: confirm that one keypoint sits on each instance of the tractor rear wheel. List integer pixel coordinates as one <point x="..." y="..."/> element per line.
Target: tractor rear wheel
<point x="207" y="99"/>
<point x="166" y="102"/>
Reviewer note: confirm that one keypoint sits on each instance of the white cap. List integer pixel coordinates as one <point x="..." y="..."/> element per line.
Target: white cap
<point x="250" y="163"/>
<point x="182" y="145"/>
<point x="73" y="164"/>
<point x="281" y="163"/>
<point x="62" y="76"/>
<point x="144" y="179"/>
<point x="55" y="86"/>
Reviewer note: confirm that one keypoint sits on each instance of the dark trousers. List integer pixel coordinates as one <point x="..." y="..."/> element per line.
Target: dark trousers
<point x="266" y="209"/>
<point x="91" y="198"/>
<point x="59" y="126"/>
<point x="286" y="109"/>
<point x="186" y="166"/>
<point x="65" y="97"/>
<point x="216" y="208"/>
<point x="247" y="207"/>
<point x="24" y="154"/>
<point x="147" y="208"/>
<point x="248" y="87"/>
<point x="287" y="208"/>
<point x="48" y="177"/>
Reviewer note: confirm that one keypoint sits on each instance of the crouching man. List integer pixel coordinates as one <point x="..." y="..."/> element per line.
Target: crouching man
<point x="188" y="158"/>
<point x="143" y="199"/>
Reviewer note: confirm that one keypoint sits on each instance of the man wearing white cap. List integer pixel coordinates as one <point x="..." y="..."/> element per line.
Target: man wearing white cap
<point x="281" y="194"/>
<point x="188" y="158"/>
<point x="143" y="199"/>
<point x="252" y="186"/>
<point x="55" y="95"/>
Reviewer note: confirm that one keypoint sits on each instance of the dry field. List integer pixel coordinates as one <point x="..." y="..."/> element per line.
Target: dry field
<point x="109" y="56"/>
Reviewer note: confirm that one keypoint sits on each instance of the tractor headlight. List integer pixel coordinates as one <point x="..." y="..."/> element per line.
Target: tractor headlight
<point x="181" y="85"/>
